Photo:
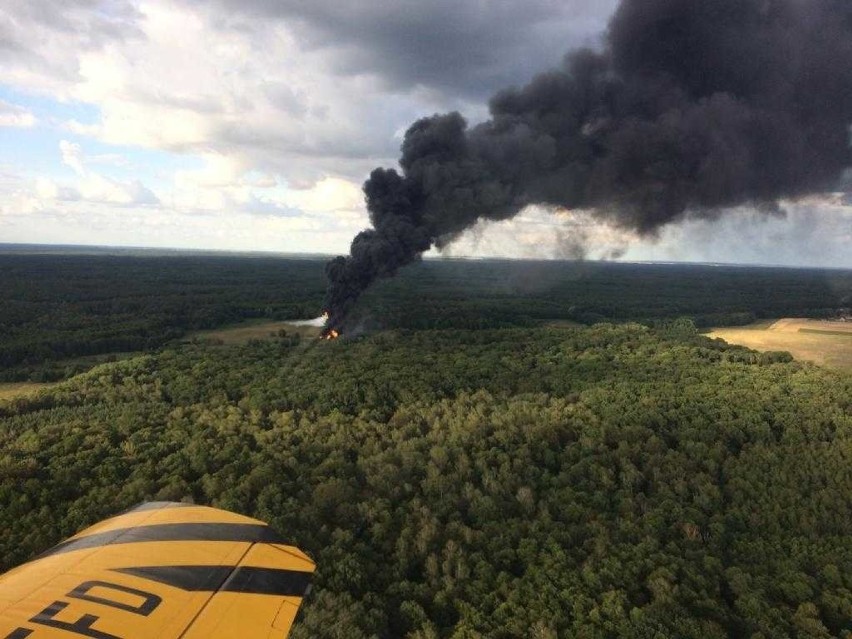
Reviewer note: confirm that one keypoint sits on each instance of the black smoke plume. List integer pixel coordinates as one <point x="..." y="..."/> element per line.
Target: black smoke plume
<point x="693" y="107"/>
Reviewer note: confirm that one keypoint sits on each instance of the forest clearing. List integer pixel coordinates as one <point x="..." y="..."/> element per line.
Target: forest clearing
<point x="823" y="342"/>
<point x="245" y="332"/>
<point x="17" y="389"/>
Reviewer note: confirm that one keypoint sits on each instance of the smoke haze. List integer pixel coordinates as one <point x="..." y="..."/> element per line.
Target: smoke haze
<point x="692" y="108"/>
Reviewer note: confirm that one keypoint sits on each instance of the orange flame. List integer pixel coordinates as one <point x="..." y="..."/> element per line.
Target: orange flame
<point x="329" y="333"/>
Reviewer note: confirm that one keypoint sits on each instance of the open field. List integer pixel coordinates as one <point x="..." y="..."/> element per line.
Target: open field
<point x="821" y="342"/>
<point x="244" y="333"/>
<point x="16" y="389"/>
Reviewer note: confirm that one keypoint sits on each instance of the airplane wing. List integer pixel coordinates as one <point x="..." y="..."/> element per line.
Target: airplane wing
<point x="161" y="570"/>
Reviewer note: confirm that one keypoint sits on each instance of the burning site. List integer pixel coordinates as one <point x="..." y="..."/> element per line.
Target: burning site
<point x="690" y="110"/>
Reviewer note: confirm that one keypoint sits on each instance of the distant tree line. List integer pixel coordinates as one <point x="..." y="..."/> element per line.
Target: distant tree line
<point x="60" y="307"/>
<point x="495" y="294"/>
<point x="57" y="308"/>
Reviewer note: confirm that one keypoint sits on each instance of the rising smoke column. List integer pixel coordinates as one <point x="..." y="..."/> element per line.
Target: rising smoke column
<point x="693" y="107"/>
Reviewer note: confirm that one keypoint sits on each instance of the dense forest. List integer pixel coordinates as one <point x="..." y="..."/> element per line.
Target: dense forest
<point x="497" y="449"/>
<point x="611" y="481"/>
<point x="499" y="293"/>
<point x="58" y="308"/>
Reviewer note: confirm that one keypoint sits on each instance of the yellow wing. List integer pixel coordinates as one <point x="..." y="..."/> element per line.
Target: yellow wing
<point x="161" y="570"/>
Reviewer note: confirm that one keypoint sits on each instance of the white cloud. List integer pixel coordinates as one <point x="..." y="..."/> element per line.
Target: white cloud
<point x="72" y="155"/>
<point x="12" y="115"/>
<point x="92" y="212"/>
<point x="811" y="232"/>
<point x="815" y="232"/>
<point x="91" y="186"/>
<point x="541" y="233"/>
<point x="17" y="198"/>
<point x="250" y="95"/>
<point x="218" y="171"/>
<point x="330" y="194"/>
<point x="46" y="189"/>
<point x="97" y="188"/>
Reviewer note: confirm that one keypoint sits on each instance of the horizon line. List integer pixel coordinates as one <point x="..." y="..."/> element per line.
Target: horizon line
<point x="7" y="248"/>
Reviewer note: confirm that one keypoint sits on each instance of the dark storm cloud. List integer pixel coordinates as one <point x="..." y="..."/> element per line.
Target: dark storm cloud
<point x="466" y="47"/>
<point x="693" y="107"/>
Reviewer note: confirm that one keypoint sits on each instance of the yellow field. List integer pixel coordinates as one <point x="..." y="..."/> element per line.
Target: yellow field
<point x="821" y="342"/>
<point x="16" y="389"/>
<point x="244" y="333"/>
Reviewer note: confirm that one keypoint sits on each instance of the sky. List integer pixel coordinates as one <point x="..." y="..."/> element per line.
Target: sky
<point x="251" y="125"/>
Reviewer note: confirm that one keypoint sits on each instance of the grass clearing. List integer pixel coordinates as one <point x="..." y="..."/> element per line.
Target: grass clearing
<point x="16" y="389"/>
<point x="761" y="325"/>
<point x="820" y="332"/>
<point x="564" y="324"/>
<point x="821" y="342"/>
<point x="264" y="330"/>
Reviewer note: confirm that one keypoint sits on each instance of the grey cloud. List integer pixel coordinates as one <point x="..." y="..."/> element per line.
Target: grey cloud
<point x="97" y="21"/>
<point x="464" y="47"/>
<point x="27" y="27"/>
<point x="285" y="98"/>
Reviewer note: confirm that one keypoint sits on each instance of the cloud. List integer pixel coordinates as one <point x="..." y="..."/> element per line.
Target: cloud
<point x="218" y="171"/>
<point x="41" y="40"/>
<point x="330" y="194"/>
<point x="97" y="188"/>
<point x="460" y="47"/>
<point x="90" y="211"/>
<point x="72" y="155"/>
<point x="92" y="186"/>
<point x="541" y="233"/>
<point x="286" y="104"/>
<point x="814" y="232"/>
<point x="17" y="199"/>
<point x="225" y="185"/>
<point x="301" y="90"/>
<point x="12" y="115"/>
<point x="194" y="85"/>
<point x="46" y="190"/>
